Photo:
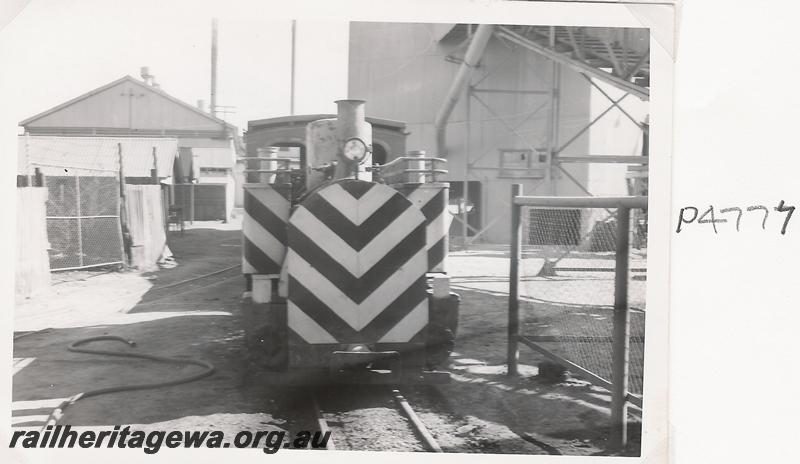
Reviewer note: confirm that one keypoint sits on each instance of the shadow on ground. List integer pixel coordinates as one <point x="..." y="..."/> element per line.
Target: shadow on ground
<point x="483" y="410"/>
<point x="177" y="317"/>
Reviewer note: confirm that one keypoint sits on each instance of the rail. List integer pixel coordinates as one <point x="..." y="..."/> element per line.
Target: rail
<point x="415" y="423"/>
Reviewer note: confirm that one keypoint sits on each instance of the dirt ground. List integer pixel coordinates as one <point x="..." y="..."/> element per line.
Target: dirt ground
<point x="481" y="410"/>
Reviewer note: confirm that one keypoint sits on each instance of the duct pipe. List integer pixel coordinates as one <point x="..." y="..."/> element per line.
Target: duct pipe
<point x="471" y="58"/>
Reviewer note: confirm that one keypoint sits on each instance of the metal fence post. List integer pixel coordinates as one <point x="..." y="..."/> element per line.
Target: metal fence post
<point x="78" y="216"/>
<point x="38" y="178"/>
<point x="191" y="202"/>
<point x="513" y="282"/>
<point x="621" y="334"/>
<point x="123" y="209"/>
<point x="154" y="170"/>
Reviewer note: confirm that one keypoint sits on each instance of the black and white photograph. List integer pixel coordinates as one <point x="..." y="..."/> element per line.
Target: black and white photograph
<point x="294" y="232"/>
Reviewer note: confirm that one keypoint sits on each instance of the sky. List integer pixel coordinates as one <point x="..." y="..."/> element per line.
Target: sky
<point x="62" y="49"/>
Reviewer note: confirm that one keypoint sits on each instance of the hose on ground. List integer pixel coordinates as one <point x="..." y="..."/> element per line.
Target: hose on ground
<point x="58" y="413"/>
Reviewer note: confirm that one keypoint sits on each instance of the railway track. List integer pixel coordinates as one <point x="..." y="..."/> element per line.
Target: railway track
<point x="191" y="284"/>
<point x="365" y="424"/>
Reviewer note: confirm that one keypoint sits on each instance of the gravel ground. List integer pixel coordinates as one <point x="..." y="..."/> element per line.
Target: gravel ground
<point x="480" y="411"/>
<point x="354" y="414"/>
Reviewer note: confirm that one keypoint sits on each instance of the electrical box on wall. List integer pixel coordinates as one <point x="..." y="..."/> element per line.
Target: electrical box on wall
<point x="522" y="163"/>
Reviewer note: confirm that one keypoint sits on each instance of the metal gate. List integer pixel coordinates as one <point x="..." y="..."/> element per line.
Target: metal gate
<point x="83" y="223"/>
<point x="202" y="202"/>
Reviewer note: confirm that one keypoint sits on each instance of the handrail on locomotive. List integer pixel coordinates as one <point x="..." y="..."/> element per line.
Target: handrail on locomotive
<point x="386" y="171"/>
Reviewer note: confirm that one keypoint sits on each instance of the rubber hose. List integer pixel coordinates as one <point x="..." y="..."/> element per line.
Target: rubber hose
<point x="58" y="413"/>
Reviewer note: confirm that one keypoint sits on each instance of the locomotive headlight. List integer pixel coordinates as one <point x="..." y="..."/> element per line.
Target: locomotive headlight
<point x="355" y="150"/>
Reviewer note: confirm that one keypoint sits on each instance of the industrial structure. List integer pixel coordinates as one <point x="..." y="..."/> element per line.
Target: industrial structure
<point x="561" y="109"/>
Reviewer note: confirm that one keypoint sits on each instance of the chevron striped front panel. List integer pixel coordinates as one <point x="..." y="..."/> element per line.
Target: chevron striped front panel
<point x="432" y="199"/>
<point x="266" y="212"/>
<point x="356" y="266"/>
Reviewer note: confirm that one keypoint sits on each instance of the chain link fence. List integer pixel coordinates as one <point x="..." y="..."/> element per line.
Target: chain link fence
<point x="83" y="219"/>
<point x="577" y="292"/>
<point x="567" y="289"/>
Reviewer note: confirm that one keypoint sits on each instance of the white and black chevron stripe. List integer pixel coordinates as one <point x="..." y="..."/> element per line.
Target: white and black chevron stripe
<point x="266" y="212"/>
<point x="356" y="266"/>
<point x="432" y="199"/>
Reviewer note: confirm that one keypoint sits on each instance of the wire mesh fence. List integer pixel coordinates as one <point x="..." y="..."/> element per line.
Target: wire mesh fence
<point x="567" y="286"/>
<point x="83" y="223"/>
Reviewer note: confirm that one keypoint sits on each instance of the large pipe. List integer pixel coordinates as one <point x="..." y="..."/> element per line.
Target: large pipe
<point x="474" y="52"/>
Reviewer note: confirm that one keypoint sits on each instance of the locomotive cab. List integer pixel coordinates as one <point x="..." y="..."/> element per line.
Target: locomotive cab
<point x="345" y="261"/>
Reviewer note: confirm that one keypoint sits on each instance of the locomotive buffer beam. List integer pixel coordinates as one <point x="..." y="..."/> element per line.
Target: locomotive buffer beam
<point x="357" y="366"/>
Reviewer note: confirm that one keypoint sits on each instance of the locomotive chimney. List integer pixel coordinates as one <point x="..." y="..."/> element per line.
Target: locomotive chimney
<point x="351" y="123"/>
<point x="350" y="115"/>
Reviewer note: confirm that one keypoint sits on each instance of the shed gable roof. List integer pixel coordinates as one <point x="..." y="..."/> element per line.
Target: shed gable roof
<point x="127" y="103"/>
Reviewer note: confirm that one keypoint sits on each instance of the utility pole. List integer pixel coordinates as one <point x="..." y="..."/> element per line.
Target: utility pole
<point x="214" y="67"/>
<point x="291" y="92"/>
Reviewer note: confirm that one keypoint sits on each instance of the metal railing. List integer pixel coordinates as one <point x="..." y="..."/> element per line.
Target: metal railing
<point x="264" y="169"/>
<point x="287" y="162"/>
<point x="413" y="168"/>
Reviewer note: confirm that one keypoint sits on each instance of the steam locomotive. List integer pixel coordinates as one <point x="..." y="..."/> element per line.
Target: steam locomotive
<point x="344" y="260"/>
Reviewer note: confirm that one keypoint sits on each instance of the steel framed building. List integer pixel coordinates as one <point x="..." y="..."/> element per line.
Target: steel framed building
<point x="561" y="109"/>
